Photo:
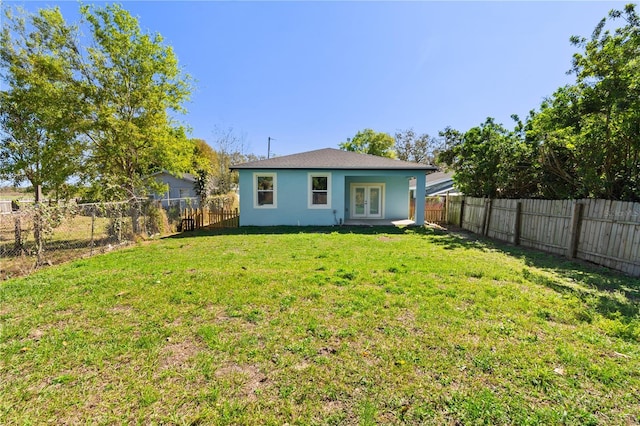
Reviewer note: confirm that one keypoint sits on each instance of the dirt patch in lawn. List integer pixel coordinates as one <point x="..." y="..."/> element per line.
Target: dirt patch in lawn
<point x="385" y="238"/>
<point x="177" y="354"/>
<point x="252" y="378"/>
<point x="121" y="309"/>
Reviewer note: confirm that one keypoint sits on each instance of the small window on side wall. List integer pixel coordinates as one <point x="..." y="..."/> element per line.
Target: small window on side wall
<point x="265" y="190"/>
<point x="319" y="190"/>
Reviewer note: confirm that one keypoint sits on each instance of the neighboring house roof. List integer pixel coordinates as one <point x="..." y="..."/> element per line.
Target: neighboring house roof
<point x="438" y="178"/>
<point x="437" y="183"/>
<point x="330" y="158"/>
<point x="185" y="176"/>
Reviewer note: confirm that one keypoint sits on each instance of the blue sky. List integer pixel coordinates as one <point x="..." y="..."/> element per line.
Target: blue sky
<point x="311" y="74"/>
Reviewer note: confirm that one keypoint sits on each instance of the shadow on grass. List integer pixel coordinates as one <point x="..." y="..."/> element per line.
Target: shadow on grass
<point x="9" y="250"/>
<point x="283" y="230"/>
<point x="586" y="281"/>
<point x="609" y="292"/>
<point x="24" y="262"/>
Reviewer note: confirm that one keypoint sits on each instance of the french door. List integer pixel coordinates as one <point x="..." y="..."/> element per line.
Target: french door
<point x="366" y="201"/>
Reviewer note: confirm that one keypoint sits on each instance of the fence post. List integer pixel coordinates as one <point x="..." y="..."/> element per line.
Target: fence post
<point x="19" y="246"/>
<point x="486" y="216"/>
<point x="461" y="211"/>
<point x="447" y="200"/>
<point x="516" y="224"/>
<point x="38" y="232"/>
<point x="93" y="226"/>
<point x="120" y="225"/>
<point x="574" y="235"/>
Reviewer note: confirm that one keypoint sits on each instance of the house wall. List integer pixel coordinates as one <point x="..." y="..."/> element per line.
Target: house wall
<point x="178" y="188"/>
<point x="396" y="193"/>
<point x="292" y="197"/>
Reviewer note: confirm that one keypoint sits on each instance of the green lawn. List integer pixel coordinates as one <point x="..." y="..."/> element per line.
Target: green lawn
<point x="321" y="326"/>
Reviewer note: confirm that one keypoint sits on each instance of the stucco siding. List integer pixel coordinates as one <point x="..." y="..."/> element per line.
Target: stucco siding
<point x="291" y="200"/>
<point x="396" y="194"/>
<point x="292" y="192"/>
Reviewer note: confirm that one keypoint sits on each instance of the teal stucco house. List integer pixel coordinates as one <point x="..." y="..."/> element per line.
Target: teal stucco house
<point x="328" y="187"/>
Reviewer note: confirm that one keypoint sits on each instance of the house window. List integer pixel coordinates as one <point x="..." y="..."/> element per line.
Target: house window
<point x="319" y="190"/>
<point x="265" y="190"/>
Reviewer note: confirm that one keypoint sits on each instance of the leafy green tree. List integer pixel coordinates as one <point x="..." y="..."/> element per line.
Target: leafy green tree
<point x="204" y="164"/>
<point x="410" y="146"/>
<point x="134" y="82"/>
<point x="554" y="130"/>
<point x="588" y="131"/>
<point x="368" y="141"/>
<point x="41" y="107"/>
<point x="608" y="76"/>
<point x="491" y="161"/>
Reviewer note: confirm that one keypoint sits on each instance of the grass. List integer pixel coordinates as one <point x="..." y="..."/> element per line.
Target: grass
<point x="11" y="193"/>
<point x="70" y="240"/>
<point x="321" y="326"/>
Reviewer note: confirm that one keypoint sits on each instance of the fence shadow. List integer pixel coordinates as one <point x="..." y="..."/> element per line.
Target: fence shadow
<point x="614" y="293"/>
<point x="277" y="230"/>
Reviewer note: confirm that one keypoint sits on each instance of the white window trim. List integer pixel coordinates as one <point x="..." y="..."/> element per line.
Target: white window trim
<point x="310" y="204"/>
<point x="255" y="191"/>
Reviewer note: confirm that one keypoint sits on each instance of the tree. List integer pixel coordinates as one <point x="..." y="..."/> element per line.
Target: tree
<point x="583" y="142"/>
<point x="134" y="81"/>
<point x="588" y="132"/>
<point x="229" y="150"/>
<point x="418" y="148"/>
<point x="40" y="111"/>
<point x="608" y="77"/>
<point x="204" y="164"/>
<point x="369" y="142"/>
<point x="491" y="161"/>
<point x="450" y="139"/>
<point x="553" y="130"/>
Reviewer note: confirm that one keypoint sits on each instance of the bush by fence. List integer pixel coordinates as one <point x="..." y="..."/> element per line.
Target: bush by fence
<point x="600" y="231"/>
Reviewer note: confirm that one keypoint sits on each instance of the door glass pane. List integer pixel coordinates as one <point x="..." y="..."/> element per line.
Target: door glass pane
<point x="374" y="201"/>
<point x="359" y="202"/>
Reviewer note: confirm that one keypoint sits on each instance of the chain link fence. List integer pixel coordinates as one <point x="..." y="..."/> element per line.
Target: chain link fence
<point x="37" y="235"/>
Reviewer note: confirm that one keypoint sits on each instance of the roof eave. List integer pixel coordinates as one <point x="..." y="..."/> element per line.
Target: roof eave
<point x="426" y="168"/>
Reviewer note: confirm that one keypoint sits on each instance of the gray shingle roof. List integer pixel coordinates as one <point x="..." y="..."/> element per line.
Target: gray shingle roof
<point x="330" y="158"/>
<point x="185" y="176"/>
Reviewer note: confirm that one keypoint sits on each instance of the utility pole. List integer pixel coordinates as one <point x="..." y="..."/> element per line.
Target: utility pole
<point x="269" y="139"/>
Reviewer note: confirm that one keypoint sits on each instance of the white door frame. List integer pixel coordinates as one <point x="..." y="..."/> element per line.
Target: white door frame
<point x="367" y="190"/>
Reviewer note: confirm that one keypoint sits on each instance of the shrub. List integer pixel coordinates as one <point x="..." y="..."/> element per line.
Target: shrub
<point x="157" y="220"/>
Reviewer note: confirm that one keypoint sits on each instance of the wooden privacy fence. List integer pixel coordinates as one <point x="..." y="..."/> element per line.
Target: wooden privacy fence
<point x="600" y="231"/>
<point x="198" y="218"/>
<point x="435" y="209"/>
<point x="222" y="218"/>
